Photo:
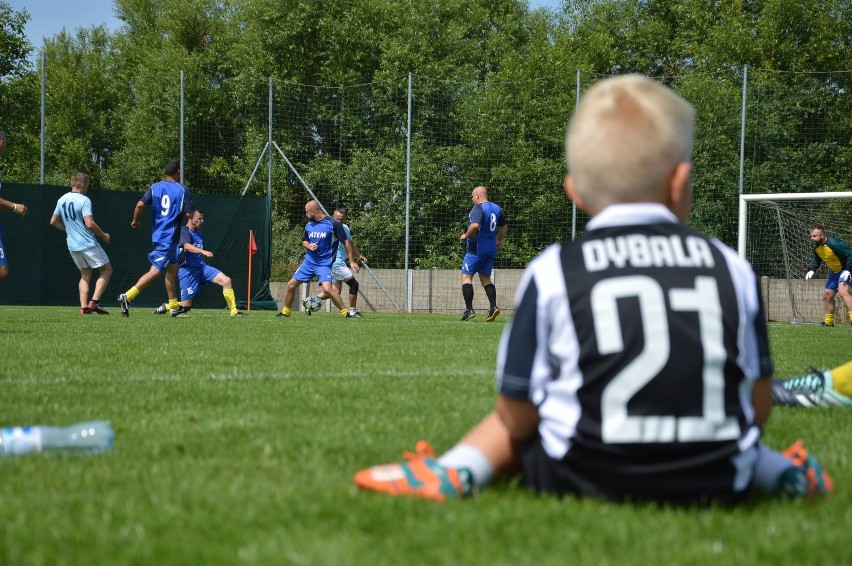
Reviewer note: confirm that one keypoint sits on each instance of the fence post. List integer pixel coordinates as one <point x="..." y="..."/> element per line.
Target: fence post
<point x="743" y="210"/>
<point x="573" y="204"/>
<point x="43" y="111"/>
<point x="408" y="295"/>
<point x="181" y="125"/>
<point x="743" y="128"/>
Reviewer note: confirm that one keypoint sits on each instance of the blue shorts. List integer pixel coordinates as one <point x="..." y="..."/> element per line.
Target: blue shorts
<point x="192" y="278"/>
<point x="163" y="256"/>
<point x="832" y="281"/>
<point x="482" y="264"/>
<point x="308" y="270"/>
<point x="3" y="260"/>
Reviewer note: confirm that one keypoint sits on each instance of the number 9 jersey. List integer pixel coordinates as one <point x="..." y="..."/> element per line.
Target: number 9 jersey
<point x="639" y="344"/>
<point x="169" y="201"/>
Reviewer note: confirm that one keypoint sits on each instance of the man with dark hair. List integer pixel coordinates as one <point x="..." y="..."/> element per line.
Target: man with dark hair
<point x="340" y="271"/>
<point x="194" y="271"/>
<point x="837" y="257"/>
<point x="169" y="201"/>
<point x="17" y="208"/>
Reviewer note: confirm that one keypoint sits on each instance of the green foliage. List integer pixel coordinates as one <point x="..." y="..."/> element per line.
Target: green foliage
<point x="14" y="47"/>
<point x="79" y="107"/>
<point x="494" y="85"/>
<point x="242" y="447"/>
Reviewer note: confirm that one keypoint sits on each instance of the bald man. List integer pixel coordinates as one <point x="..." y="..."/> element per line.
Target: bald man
<point x="321" y="238"/>
<point x="486" y="229"/>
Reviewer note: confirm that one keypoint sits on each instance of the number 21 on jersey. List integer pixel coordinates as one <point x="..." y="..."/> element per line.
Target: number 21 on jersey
<point x="617" y="425"/>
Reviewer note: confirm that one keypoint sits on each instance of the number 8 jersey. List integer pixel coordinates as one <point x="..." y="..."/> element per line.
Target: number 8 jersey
<point x="639" y="344"/>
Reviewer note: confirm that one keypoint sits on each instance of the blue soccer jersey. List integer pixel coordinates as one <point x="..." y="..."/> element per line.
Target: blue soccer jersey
<point x="326" y="234"/>
<point x="194" y="238"/>
<point x="169" y="201"/>
<point x="73" y="208"/>
<point x="490" y="218"/>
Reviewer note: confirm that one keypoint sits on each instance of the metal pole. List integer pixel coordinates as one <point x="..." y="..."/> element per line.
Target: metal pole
<point x="181" y="126"/>
<point x="409" y="302"/>
<point x="573" y="204"/>
<point x="43" y="112"/>
<point x="743" y="129"/>
<point x="269" y="144"/>
<point x="742" y="233"/>
<point x="256" y="165"/>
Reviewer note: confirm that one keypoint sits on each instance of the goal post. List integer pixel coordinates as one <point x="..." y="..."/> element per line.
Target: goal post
<point x="774" y="234"/>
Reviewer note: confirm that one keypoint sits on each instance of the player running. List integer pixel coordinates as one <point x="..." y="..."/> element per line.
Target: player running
<point x="169" y="201"/>
<point x="340" y="272"/>
<point x="321" y="237"/>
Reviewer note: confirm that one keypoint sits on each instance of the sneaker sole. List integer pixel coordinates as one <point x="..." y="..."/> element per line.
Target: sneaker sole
<point x="125" y="306"/>
<point x="493" y="315"/>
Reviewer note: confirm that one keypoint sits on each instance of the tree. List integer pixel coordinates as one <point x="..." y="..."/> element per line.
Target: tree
<point x="19" y="100"/>
<point x="82" y="94"/>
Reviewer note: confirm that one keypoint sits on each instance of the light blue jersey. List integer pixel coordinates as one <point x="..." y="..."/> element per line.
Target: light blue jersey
<point x="73" y="208"/>
<point x="340" y="260"/>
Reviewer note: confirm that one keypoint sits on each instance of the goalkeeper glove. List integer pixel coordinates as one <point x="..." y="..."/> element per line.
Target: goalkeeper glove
<point x="809" y="274"/>
<point x="845" y="276"/>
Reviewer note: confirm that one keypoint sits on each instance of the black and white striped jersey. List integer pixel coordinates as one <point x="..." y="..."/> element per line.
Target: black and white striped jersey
<point x="640" y="344"/>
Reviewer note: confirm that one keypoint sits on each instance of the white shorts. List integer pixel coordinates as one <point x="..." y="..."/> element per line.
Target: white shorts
<point x="92" y="258"/>
<point x="341" y="273"/>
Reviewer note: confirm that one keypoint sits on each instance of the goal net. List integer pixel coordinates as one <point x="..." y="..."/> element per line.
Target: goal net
<point x="774" y="231"/>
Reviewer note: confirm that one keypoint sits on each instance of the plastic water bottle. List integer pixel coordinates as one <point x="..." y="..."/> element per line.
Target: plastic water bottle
<point x="82" y="438"/>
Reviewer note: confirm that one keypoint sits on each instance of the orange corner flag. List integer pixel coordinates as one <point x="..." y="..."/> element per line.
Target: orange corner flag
<point x="252" y="249"/>
<point x="252" y="243"/>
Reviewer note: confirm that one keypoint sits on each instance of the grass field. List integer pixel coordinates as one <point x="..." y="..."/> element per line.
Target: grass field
<point x="236" y="442"/>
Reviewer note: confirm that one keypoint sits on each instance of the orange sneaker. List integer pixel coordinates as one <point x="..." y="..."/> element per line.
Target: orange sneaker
<point x="818" y="483"/>
<point x="419" y="476"/>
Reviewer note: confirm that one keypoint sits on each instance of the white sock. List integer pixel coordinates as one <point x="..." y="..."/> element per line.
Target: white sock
<point x="466" y="456"/>
<point x="768" y="469"/>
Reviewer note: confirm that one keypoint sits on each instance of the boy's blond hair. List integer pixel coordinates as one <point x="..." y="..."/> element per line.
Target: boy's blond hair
<point x="626" y="136"/>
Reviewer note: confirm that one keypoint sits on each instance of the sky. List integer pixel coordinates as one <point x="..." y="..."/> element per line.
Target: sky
<point x="49" y="17"/>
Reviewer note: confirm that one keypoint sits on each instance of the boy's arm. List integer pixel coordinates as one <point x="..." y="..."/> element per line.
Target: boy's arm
<point x="519" y="415"/>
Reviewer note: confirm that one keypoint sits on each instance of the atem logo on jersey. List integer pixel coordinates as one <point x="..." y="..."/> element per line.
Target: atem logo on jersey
<point x="317" y="234"/>
<point x="639" y="250"/>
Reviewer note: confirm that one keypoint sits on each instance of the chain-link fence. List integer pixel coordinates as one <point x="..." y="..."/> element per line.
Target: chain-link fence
<point x="402" y="155"/>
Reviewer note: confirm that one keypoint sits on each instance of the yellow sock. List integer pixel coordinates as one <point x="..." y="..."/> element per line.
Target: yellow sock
<point x="842" y="377"/>
<point x="344" y="312"/>
<point x="829" y="320"/>
<point x="286" y="311"/>
<point x="230" y="300"/>
<point x="132" y="293"/>
<point x="173" y="304"/>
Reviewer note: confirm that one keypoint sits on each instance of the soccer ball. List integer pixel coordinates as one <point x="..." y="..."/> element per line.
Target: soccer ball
<point x="312" y="303"/>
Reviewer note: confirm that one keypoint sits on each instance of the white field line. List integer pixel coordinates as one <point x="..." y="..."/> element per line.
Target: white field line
<point x="249" y="376"/>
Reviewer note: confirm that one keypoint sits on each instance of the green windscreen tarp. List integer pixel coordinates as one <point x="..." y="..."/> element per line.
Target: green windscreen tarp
<point x="41" y="271"/>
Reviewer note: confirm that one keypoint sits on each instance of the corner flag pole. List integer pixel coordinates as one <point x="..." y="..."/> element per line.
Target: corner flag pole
<point x="252" y="249"/>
